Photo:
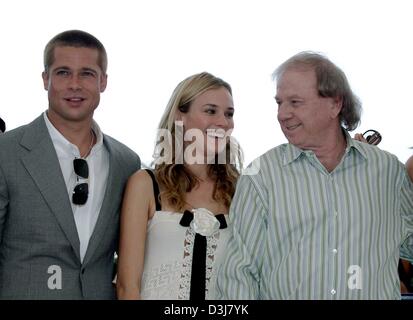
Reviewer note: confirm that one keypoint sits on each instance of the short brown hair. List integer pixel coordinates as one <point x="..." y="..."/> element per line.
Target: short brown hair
<point x="78" y="39"/>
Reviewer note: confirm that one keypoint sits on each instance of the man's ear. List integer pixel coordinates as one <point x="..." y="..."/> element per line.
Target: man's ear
<point x="337" y="105"/>
<point x="45" y="77"/>
<point x="103" y="82"/>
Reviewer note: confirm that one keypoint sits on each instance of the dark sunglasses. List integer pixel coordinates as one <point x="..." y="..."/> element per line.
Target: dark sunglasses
<point x="81" y="190"/>
<point x="372" y="137"/>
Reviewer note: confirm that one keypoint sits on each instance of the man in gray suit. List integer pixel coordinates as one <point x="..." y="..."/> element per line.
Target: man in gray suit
<point x="61" y="184"/>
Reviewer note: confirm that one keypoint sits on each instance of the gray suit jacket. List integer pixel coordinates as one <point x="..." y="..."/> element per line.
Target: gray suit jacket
<point x="38" y="235"/>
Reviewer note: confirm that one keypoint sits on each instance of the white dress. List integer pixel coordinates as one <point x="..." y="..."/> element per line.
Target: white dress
<point x="168" y="258"/>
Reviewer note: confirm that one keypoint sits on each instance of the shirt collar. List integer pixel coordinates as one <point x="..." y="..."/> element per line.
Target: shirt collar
<point x="355" y="145"/>
<point x="62" y="143"/>
<point x="292" y="152"/>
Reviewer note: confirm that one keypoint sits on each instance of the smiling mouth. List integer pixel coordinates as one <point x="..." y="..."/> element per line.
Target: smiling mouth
<point x="75" y="99"/>
<point x="290" y="128"/>
<point x="220" y="133"/>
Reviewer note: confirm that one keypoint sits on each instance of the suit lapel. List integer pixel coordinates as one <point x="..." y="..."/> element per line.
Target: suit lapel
<point x="110" y="202"/>
<point x="43" y="166"/>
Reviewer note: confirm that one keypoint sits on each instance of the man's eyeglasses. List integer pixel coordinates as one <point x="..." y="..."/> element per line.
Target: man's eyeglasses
<point x="372" y="137"/>
<point x="81" y="190"/>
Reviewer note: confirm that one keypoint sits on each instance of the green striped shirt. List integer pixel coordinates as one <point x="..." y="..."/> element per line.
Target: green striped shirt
<point x="300" y="232"/>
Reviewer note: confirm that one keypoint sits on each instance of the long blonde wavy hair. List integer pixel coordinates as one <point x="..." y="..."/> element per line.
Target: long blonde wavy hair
<point x="176" y="180"/>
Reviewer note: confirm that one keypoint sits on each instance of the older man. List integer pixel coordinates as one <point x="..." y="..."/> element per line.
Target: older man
<point x="326" y="215"/>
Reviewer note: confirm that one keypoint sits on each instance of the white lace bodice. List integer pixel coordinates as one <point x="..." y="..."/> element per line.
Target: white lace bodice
<point x="168" y="258"/>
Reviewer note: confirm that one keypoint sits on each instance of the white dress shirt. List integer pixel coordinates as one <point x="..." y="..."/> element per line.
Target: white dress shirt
<point x="98" y="161"/>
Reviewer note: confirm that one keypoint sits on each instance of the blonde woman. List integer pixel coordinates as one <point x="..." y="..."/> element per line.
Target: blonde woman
<point x="174" y="222"/>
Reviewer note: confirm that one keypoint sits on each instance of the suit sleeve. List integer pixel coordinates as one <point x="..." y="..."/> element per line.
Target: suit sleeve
<point x="134" y="165"/>
<point x="138" y="163"/>
<point x="239" y="275"/>
<point x="4" y="202"/>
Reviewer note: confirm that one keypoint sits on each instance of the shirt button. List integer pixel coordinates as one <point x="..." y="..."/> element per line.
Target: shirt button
<point x="334" y="251"/>
<point x="336" y="213"/>
<point x="333" y="292"/>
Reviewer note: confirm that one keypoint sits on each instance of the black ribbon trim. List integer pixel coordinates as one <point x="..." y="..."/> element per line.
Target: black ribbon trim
<point x="198" y="270"/>
<point x="198" y="273"/>
<point x="188" y="216"/>
<point x="186" y="219"/>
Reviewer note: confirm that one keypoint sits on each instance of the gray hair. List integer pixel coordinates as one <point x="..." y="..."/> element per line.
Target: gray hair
<point x="331" y="83"/>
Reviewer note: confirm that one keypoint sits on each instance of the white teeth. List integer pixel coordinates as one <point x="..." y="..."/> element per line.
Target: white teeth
<point x="216" y="133"/>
